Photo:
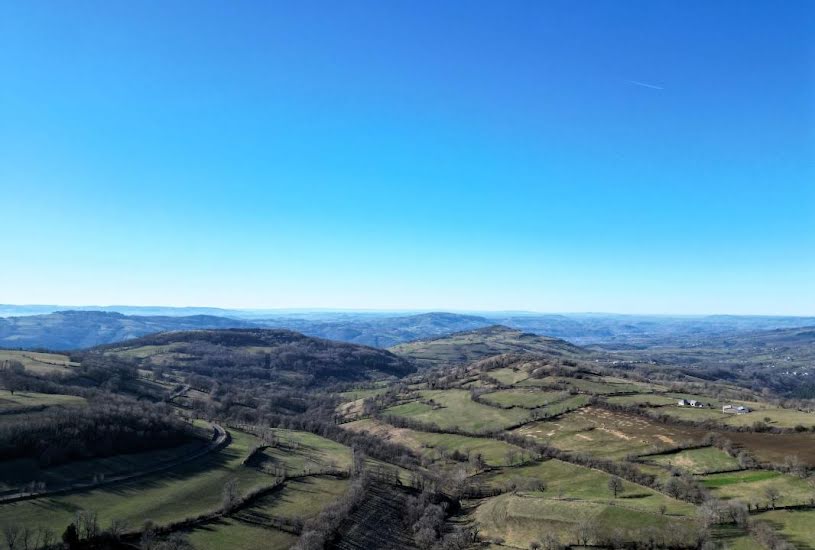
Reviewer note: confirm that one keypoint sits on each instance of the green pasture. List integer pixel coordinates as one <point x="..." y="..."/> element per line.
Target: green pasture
<point x="527" y="398"/>
<point x="519" y="520"/>
<point x="305" y="452"/>
<point x="303" y="498"/>
<point x="187" y="490"/>
<point x="750" y="486"/>
<point x="797" y="526"/>
<point x="16" y="473"/>
<point x="647" y="399"/>
<point x="38" y="363"/>
<point x="457" y="410"/>
<point x="508" y="375"/>
<point x="570" y="481"/>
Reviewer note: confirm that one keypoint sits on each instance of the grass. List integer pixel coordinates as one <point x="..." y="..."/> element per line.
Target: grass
<point x="508" y="375"/>
<point x="303" y="498"/>
<point x="190" y="489"/>
<point x="797" y="526"/>
<point x="234" y="533"/>
<point x="9" y="402"/>
<point x="519" y="520"/>
<point x="781" y="418"/>
<point x="457" y="410"/>
<point x="648" y="399"/>
<point x="305" y="452"/>
<point x="697" y="461"/>
<point x="38" y="363"/>
<point x="429" y="444"/>
<point x="594" y="385"/>
<point x="750" y="485"/>
<point x="565" y="480"/>
<point x="527" y="398"/>
<point x="15" y="473"/>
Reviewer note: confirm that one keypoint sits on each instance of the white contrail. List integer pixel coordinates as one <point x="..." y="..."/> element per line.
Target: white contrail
<point x="646" y="85"/>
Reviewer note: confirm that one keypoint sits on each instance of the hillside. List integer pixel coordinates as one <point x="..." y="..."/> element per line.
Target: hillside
<point x="264" y="355"/>
<point x="66" y="330"/>
<point x="469" y="346"/>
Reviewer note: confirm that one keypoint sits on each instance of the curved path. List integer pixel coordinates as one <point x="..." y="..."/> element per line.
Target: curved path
<point x="220" y="439"/>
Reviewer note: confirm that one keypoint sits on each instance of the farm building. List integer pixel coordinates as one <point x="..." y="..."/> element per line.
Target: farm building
<point x="735" y="409"/>
<point x="692" y="403"/>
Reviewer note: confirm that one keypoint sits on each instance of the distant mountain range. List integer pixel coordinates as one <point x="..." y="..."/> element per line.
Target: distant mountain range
<point x="42" y="327"/>
<point x="66" y="330"/>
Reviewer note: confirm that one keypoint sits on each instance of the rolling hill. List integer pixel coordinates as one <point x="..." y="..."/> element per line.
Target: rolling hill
<point x="259" y="355"/>
<point x="469" y="346"/>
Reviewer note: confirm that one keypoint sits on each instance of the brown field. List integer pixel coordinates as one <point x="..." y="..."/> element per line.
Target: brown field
<point x="774" y="447"/>
<point x="611" y="434"/>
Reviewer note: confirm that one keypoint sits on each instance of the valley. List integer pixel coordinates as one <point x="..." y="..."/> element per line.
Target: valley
<point x="488" y="438"/>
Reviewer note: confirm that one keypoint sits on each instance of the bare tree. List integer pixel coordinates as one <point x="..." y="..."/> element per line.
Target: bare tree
<point x="230" y="495"/>
<point x="117" y="528"/>
<point x="87" y="524"/>
<point x="615" y="485"/>
<point x="11" y="533"/>
<point x="773" y="495"/>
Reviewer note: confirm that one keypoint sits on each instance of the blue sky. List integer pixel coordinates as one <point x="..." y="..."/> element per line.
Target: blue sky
<point x="644" y="157"/>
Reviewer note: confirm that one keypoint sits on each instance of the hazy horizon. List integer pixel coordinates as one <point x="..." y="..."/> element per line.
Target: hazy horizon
<point x="396" y="311"/>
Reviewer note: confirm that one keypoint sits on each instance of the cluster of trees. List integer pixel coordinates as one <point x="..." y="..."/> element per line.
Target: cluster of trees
<point x="685" y="535"/>
<point x="768" y="537"/>
<point x="105" y="427"/>
<point x="425" y="516"/>
<point x="27" y="538"/>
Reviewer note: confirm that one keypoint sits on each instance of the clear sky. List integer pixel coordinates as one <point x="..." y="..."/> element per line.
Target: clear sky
<point x="636" y="156"/>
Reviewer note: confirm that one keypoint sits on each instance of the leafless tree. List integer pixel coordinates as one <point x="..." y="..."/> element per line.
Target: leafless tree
<point x="615" y="485"/>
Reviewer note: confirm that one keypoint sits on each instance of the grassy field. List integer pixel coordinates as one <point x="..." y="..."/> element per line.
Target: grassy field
<point x="519" y="520"/>
<point x="302" y="498"/>
<point x="234" y="533"/>
<point x="797" y="526"/>
<point x="648" y="399"/>
<point x="428" y="444"/>
<point x="509" y="375"/>
<point x="569" y="481"/>
<point x="610" y="434"/>
<point x="20" y="400"/>
<point x="189" y="489"/>
<point x="589" y="385"/>
<point x="697" y="461"/>
<point x="527" y="398"/>
<point x="304" y="452"/>
<point x="14" y="473"/>
<point x="458" y="410"/>
<point x="39" y="363"/>
<point x="750" y="486"/>
<point x="781" y="418"/>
